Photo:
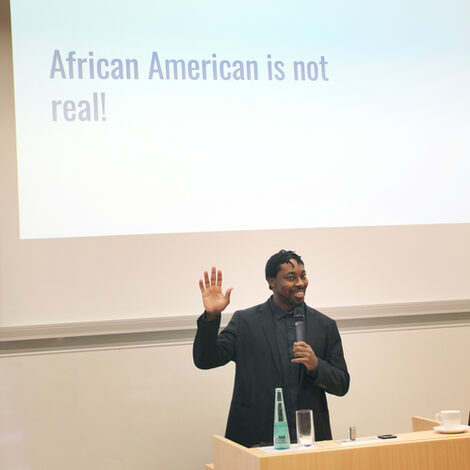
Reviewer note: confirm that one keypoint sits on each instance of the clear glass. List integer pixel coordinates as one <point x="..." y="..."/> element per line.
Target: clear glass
<point x="304" y="425"/>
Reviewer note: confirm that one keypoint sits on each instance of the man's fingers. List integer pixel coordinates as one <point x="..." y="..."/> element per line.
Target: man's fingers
<point x="212" y="282"/>
<point x="303" y="352"/>
<point x="228" y="292"/>
<point x="213" y="279"/>
<point x="301" y="346"/>
<point x="300" y="360"/>
<point x="300" y="356"/>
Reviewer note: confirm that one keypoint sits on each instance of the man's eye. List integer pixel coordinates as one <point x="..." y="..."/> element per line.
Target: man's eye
<point x="290" y="278"/>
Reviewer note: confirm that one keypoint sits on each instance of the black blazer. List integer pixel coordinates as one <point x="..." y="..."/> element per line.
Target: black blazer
<point x="250" y="341"/>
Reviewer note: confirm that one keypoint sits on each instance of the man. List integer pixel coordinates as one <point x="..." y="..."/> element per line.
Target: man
<point x="261" y="341"/>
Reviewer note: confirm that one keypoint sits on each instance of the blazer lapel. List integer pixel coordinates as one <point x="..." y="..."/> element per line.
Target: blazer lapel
<point x="312" y="328"/>
<point x="266" y="320"/>
<point x="311" y="335"/>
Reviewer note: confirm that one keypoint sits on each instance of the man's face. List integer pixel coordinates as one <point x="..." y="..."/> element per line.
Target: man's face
<point x="289" y="285"/>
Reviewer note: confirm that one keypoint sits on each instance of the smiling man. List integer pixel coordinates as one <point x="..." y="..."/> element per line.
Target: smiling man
<point x="261" y="340"/>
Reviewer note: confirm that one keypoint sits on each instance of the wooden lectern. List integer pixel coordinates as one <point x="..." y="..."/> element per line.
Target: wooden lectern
<point x="421" y="450"/>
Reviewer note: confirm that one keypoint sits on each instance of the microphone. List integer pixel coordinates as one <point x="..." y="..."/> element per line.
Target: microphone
<point x="299" y="322"/>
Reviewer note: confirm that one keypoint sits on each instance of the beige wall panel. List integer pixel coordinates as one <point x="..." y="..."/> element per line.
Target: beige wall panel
<point x="133" y="409"/>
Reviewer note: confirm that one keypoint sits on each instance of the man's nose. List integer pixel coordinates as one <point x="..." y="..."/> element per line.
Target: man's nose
<point x="300" y="282"/>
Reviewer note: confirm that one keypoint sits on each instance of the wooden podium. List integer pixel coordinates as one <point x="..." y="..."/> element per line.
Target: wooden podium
<point x="422" y="450"/>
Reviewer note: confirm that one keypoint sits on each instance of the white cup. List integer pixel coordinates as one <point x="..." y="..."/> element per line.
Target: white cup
<point x="449" y="419"/>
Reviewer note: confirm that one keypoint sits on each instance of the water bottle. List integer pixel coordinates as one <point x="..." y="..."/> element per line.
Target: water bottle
<point x="281" y="429"/>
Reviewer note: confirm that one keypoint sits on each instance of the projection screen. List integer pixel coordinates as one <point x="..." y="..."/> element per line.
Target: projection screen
<point x="155" y="139"/>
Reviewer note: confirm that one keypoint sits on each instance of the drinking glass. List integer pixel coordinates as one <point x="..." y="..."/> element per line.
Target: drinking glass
<point x="304" y="424"/>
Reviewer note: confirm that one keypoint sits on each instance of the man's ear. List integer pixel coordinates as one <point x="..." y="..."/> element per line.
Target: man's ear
<point x="271" y="281"/>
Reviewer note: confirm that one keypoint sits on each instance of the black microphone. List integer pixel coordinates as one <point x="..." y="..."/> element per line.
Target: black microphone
<point x="299" y="322"/>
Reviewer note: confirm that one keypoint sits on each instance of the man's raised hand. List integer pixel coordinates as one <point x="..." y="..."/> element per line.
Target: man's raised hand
<point x="212" y="296"/>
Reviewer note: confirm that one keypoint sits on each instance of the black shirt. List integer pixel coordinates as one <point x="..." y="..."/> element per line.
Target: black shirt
<point x="285" y="335"/>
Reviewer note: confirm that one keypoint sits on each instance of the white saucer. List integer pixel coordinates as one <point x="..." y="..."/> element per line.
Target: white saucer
<point x="443" y="430"/>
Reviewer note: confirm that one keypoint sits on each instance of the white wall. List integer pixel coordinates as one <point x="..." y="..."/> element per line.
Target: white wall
<point x="134" y="409"/>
